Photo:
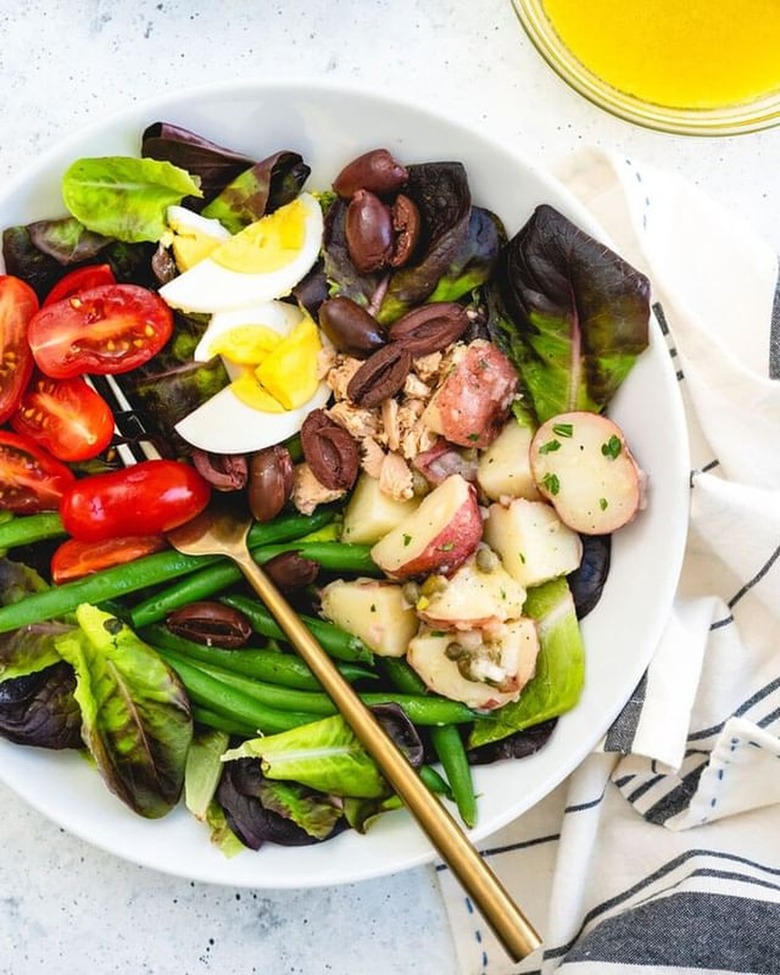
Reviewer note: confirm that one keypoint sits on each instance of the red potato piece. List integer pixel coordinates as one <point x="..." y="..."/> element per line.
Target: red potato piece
<point x="371" y="513"/>
<point x="435" y="538"/>
<point x="373" y="610"/>
<point x="500" y="665"/>
<point x="583" y="466"/>
<point x="470" y="406"/>
<point x="473" y="598"/>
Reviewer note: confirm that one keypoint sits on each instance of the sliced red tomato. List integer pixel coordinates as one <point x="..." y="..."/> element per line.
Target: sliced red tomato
<point x="106" y="330"/>
<point x="18" y="304"/>
<point x="66" y="416"/>
<point x="80" y="279"/>
<point x="147" y="499"/>
<point x="30" y="478"/>
<point x="75" y="559"/>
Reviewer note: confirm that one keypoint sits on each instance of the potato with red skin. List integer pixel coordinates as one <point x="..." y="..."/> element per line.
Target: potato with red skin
<point x="479" y="669"/>
<point x="471" y="404"/>
<point x="583" y="466"/>
<point x="437" y="537"/>
<point x="473" y="597"/>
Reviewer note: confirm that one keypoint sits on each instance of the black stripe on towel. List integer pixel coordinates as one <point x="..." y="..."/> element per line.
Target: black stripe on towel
<point x="702" y="931"/>
<point x="774" y="334"/>
<point x="621" y="734"/>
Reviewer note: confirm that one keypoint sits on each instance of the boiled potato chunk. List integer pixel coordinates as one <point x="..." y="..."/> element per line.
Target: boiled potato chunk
<point x="504" y="469"/>
<point x="471" y="404"/>
<point x="473" y="598"/>
<point x="532" y="541"/>
<point x="481" y="671"/>
<point x="437" y="537"/>
<point x="372" y="610"/>
<point x="583" y="466"/>
<point x="371" y="513"/>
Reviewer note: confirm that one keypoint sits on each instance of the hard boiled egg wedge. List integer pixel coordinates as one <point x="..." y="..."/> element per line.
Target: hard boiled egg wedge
<point x="191" y="236"/>
<point x="263" y="261"/>
<point x="270" y="352"/>
<point x="241" y="334"/>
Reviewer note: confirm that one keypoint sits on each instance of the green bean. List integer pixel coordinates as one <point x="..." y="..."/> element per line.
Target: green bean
<point x="263" y="664"/>
<point x="334" y="556"/>
<point x="216" y="578"/>
<point x="28" y="529"/>
<point x="335" y="641"/>
<point x="220" y="698"/>
<point x="202" y="584"/>
<point x="121" y="580"/>
<point x="222" y="723"/>
<point x="446" y="741"/>
<point x="451" y="752"/>
<point x="435" y="782"/>
<point x="420" y="710"/>
<point x="270" y="695"/>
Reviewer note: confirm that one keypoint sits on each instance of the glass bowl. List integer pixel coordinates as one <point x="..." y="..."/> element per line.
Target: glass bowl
<point x="731" y="119"/>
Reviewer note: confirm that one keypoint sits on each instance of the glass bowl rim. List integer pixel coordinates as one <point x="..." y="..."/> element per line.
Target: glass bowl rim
<point x="753" y="116"/>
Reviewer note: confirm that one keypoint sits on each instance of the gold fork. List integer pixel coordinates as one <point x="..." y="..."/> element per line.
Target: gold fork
<point x="223" y="533"/>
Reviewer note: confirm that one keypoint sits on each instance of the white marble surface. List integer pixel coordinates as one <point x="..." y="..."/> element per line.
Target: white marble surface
<point x="65" y="907"/>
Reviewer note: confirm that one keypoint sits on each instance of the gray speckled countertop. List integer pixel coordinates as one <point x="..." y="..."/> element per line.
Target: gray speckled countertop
<point x="66" y="907"/>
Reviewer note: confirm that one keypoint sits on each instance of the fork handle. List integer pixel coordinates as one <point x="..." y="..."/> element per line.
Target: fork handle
<point x="509" y="924"/>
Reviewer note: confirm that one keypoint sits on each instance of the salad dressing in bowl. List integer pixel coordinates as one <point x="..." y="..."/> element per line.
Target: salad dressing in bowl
<point x="699" y="67"/>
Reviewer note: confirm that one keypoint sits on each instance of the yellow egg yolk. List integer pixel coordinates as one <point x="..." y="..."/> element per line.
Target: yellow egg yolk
<point x="267" y="244"/>
<point x="245" y="345"/>
<point x="282" y="376"/>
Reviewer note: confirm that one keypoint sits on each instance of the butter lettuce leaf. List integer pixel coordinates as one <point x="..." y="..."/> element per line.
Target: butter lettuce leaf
<point x="123" y="197"/>
<point x="136" y="716"/>
<point x="560" y="667"/>
<point x="569" y="312"/>
<point x="324" y="755"/>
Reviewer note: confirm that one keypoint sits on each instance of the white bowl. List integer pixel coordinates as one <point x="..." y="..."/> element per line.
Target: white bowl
<point x="329" y="125"/>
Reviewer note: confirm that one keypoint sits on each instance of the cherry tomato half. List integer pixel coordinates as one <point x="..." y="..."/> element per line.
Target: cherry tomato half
<point x="146" y="499"/>
<point x="18" y="304"/>
<point x="66" y="416"/>
<point x="80" y="279"/>
<point x="106" y="330"/>
<point x="75" y="559"/>
<point x="30" y="479"/>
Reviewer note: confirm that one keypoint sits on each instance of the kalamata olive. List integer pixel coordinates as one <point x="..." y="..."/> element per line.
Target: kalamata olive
<point x="270" y="482"/>
<point x="291" y="571"/>
<point x="376" y="171"/>
<point x="211" y="623"/>
<point x="406" y="226"/>
<point x="330" y="451"/>
<point x="350" y="328"/>
<point x="368" y="228"/>
<point x="225" y="472"/>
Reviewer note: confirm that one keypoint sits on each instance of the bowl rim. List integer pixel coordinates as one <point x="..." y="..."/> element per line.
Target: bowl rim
<point x="738" y="119"/>
<point x="212" y="868"/>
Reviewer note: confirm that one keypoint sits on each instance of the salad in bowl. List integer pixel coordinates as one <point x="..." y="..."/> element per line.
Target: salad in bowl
<point x="429" y="387"/>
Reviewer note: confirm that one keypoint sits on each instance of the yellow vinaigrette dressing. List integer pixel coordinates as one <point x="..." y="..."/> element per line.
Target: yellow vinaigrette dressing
<point x="677" y="53"/>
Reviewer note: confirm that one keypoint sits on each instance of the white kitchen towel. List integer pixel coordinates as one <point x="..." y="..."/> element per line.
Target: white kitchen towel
<point x="661" y="852"/>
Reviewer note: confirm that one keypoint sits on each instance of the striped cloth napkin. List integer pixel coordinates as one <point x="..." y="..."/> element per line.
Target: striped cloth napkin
<point x="661" y="852"/>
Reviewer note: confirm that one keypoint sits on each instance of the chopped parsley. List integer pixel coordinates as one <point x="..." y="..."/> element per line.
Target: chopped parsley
<point x="603" y="504"/>
<point x="563" y="429"/>
<point x="447" y="547"/>
<point x="407" y="540"/>
<point x="473" y="437"/>
<point x="550" y="446"/>
<point x="551" y="483"/>
<point x="612" y="447"/>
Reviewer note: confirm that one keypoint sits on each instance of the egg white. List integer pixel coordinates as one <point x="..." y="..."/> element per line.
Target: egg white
<point x="209" y="287"/>
<point x="225" y="424"/>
